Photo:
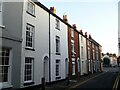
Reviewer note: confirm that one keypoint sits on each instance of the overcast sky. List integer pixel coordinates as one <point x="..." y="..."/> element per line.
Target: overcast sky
<point x="97" y="17"/>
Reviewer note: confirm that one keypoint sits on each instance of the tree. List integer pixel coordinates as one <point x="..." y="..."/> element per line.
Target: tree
<point x="106" y="61"/>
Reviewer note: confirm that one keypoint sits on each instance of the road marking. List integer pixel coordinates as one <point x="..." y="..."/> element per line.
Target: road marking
<point x="86" y="80"/>
<point x="115" y="86"/>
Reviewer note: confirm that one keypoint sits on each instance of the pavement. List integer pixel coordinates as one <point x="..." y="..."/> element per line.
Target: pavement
<point x="72" y="82"/>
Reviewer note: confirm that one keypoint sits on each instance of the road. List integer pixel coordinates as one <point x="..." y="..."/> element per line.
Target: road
<point x="104" y="81"/>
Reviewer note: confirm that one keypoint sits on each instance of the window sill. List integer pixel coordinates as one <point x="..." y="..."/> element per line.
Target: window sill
<point x="31" y="14"/>
<point x="2" y="26"/>
<point x="58" y="77"/>
<point x="57" y="28"/>
<point x="73" y="56"/>
<point x="58" y="54"/>
<point x="30" y="49"/>
<point x="29" y="83"/>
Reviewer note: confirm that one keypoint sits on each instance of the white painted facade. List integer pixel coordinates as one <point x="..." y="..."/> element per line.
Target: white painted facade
<point x="113" y="61"/>
<point x="41" y="43"/>
<point x="62" y="33"/>
<point x="1" y="25"/>
<point x="83" y="54"/>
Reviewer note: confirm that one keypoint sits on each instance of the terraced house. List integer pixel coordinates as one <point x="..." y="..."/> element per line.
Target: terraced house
<point x="36" y="44"/>
<point x="33" y="48"/>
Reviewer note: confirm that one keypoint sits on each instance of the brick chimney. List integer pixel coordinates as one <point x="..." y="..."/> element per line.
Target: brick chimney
<point x="90" y="36"/>
<point x="52" y="9"/>
<point x="74" y="26"/>
<point x="86" y="34"/>
<point x="81" y="32"/>
<point x="65" y="18"/>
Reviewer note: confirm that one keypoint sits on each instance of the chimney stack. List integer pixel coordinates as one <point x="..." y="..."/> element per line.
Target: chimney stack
<point x="52" y="9"/>
<point x="86" y="34"/>
<point x="90" y="37"/>
<point x="74" y="26"/>
<point x="81" y="32"/>
<point x="65" y="18"/>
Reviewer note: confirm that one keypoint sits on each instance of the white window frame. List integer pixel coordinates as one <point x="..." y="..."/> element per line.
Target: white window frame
<point x="79" y="65"/>
<point x="8" y="82"/>
<point x="89" y="65"/>
<point x="57" y="45"/>
<point x="32" y="69"/>
<point x="31" y="10"/>
<point x="81" y="39"/>
<point x="88" y="42"/>
<point x="88" y="53"/>
<point x="72" y="33"/>
<point x="82" y="52"/>
<point x="97" y="55"/>
<point x="73" y="49"/>
<point x="73" y="68"/>
<point x="93" y="54"/>
<point x="92" y="45"/>
<point x="57" y="24"/>
<point x="57" y="69"/>
<point x="30" y="34"/>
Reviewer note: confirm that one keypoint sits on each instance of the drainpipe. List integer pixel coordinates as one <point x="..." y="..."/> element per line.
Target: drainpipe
<point x="49" y="52"/>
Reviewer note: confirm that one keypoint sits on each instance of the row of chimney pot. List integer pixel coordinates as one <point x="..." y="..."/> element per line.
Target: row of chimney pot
<point x="65" y="18"/>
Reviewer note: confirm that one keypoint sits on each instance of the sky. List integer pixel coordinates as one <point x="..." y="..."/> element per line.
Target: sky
<point x="96" y="17"/>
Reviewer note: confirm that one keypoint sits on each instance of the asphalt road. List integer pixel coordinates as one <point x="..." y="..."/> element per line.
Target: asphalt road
<point x="104" y="81"/>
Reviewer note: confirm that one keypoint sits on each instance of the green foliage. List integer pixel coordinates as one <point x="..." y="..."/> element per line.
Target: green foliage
<point x="106" y="61"/>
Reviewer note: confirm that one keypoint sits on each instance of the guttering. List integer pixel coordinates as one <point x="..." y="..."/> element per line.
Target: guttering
<point x="49" y="52"/>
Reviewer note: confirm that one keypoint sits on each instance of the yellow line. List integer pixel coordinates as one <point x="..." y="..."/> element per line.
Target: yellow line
<point x="116" y="82"/>
<point x="87" y="80"/>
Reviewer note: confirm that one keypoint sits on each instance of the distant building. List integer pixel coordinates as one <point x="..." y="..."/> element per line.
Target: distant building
<point x="112" y="58"/>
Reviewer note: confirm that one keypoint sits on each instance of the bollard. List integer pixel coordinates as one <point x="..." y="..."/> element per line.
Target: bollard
<point x="67" y="78"/>
<point x="43" y="83"/>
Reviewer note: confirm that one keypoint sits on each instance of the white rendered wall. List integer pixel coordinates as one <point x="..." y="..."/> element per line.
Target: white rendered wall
<point x="63" y="34"/>
<point x="83" y="61"/>
<point x="41" y="23"/>
<point x="1" y="24"/>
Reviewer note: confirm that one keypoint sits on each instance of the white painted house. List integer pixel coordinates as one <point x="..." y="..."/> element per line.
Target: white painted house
<point x="35" y="45"/>
<point x="59" y="47"/>
<point x="1" y="24"/>
<point x="83" y="53"/>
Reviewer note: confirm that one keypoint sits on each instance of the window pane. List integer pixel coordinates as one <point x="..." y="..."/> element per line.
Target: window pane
<point x="5" y="77"/>
<point x="31" y="8"/>
<point x="0" y="77"/>
<point x="57" y="67"/>
<point x="29" y="35"/>
<point x="4" y="61"/>
<point x="57" y="44"/>
<point x="57" y="24"/>
<point x="28" y="69"/>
